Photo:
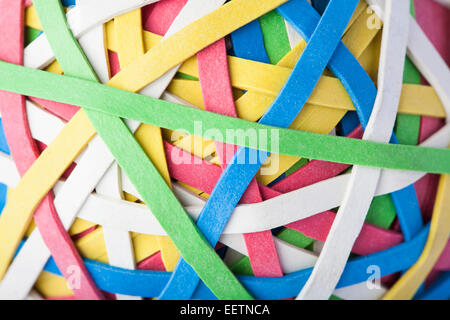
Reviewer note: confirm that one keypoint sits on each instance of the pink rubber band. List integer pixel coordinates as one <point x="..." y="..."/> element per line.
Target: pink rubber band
<point x="25" y="152"/>
<point x="203" y="175"/>
<point x="443" y="263"/>
<point x="62" y="110"/>
<point x="314" y="171"/>
<point x="158" y="17"/>
<point x="434" y="20"/>
<point x="154" y="262"/>
<point x="318" y="226"/>
<point x="218" y="97"/>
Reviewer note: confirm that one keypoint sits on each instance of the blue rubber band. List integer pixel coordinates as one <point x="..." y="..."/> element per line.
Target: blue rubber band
<point x="348" y="123"/>
<point x="440" y="290"/>
<point x="248" y="43"/>
<point x="363" y="93"/>
<point x="68" y="3"/>
<point x="3" y="143"/>
<point x="320" y="5"/>
<point x="111" y="279"/>
<point x="405" y="200"/>
<point x="145" y="283"/>
<point x="282" y="112"/>
<point x="3" y="194"/>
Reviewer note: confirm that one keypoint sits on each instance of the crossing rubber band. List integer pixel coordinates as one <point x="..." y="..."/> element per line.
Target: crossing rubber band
<point x="157" y="112"/>
<point x="226" y="276"/>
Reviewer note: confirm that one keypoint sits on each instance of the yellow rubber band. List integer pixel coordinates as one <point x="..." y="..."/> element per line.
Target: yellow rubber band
<point x="169" y="253"/>
<point x="92" y="246"/>
<point x="184" y="44"/>
<point x="409" y="283"/>
<point x="55" y="159"/>
<point x="31" y="18"/>
<point x="51" y="285"/>
<point x="37" y="182"/>
<point x="360" y="8"/>
<point x="128" y="31"/>
<point x="359" y="36"/>
<point x="246" y="74"/>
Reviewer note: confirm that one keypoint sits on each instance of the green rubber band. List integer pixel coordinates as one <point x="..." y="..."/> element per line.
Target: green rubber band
<point x="133" y="160"/>
<point x="408" y="126"/>
<point x="411" y="74"/>
<point x="275" y="37"/>
<point x="295" y="238"/>
<point x="298" y="239"/>
<point x="124" y="104"/>
<point x="407" y="129"/>
<point x="243" y="267"/>
<point x="180" y="75"/>
<point x="30" y="35"/>
<point x="381" y="212"/>
<point x="300" y="163"/>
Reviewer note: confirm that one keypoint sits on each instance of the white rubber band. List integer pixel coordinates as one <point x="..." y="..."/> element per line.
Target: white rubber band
<point x="92" y="163"/>
<point x="119" y="247"/>
<point x="419" y="50"/>
<point x="246" y="218"/>
<point x="363" y="180"/>
<point x="38" y="54"/>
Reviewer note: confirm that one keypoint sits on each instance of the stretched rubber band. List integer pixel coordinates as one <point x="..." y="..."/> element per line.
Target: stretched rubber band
<point x="245" y="218"/>
<point x="216" y="89"/>
<point x="403" y="203"/>
<point x="146" y="69"/>
<point x="118" y="243"/>
<point x="351" y="214"/>
<point x="246" y="74"/>
<point x="314" y="121"/>
<point x="425" y="57"/>
<point x="93" y="174"/>
<point x="408" y="211"/>
<point x="313" y="146"/>
<point x="304" y="225"/>
<point x="111" y="139"/>
<point x="150" y="283"/>
<point x="279" y="115"/>
<point x="218" y="97"/>
<point x="152" y="173"/>
<point x="25" y="152"/>
<point x="80" y="19"/>
<point x="248" y="44"/>
<point x="409" y="283"/>
<point x="439" y="290"/>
